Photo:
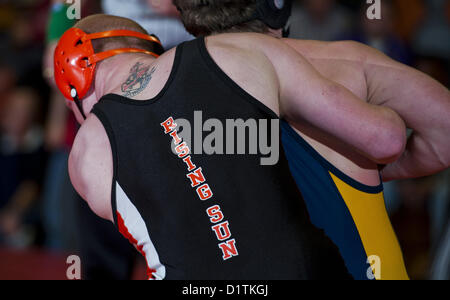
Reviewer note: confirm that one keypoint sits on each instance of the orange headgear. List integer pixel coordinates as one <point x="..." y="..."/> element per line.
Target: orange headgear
<point x="75" y="60"/>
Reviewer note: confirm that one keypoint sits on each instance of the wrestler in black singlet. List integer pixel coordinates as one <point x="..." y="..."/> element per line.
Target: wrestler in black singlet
<point x="198" y="216"/>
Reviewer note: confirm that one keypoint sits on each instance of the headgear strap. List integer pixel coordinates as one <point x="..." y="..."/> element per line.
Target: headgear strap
<point x="75" y="60"/>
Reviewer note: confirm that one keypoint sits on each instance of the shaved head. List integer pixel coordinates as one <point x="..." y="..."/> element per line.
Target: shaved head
<point x="101" y="22"/>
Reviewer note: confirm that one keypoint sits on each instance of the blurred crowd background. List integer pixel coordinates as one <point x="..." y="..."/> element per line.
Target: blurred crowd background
<point x="39" y="211"/>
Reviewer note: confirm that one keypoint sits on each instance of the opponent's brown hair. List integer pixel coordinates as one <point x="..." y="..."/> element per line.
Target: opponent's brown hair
<point x="207" y="17"/>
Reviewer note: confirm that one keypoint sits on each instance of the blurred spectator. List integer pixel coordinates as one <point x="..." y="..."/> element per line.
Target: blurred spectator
<point x="436" y="67"/>
<point x="22" y="159"/>
<point x="448" y="11"/>
<point x="7" y="82"/>
<point x="420" y="220"/>
<point x="414" y="236"/>
<point x="60" y="201"/>
<point x="59" y="198"/>
<point x="69" y="223"/>
<point x="57" y="212"/>
<point x="408" y="16"/>
<point x="441" y="265"/>
<point x="433" y="38"/>
<point x="18" y="49"/>
<point x="156" y="16"/>
<point x="440" y="207"/>
<point x="323" y="20"/>
<point x="439" y="202"/>
<point x="7" y="14"/>
<point x="380" y="33"/>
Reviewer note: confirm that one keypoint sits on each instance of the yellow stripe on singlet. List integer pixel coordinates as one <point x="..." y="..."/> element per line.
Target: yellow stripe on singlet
<point x="375" y="229"/>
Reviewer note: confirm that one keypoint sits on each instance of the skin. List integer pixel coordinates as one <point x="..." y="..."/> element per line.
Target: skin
<point x="422" y="102"/>
<point x="272" y="74"/>
<point x="15" y="122"/>
<point x="164" y="7"/>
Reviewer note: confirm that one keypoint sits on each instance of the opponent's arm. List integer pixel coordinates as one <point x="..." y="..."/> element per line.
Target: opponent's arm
<point x="91" y="167"/>
<point x="306" y="96"/>
<point x="424" y="105"/>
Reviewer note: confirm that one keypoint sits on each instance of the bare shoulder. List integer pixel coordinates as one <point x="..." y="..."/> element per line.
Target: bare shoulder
<point x="246" y="59"/>
<point x="143" y="77"/>
<point x="167" y="57"/>
<point x="339" y="50"/>
<point x="343" y="50"/>
<point x="91" y="167"/>
<point x="255" y="43"/>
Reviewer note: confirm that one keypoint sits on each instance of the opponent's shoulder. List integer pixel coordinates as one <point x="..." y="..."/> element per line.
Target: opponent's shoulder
<point x="235" y="43"/>
<point x="248" y="41"/>
<point x="91" y="166"/>
<point x="363" y="53"/>
<point x="244" y="58"/>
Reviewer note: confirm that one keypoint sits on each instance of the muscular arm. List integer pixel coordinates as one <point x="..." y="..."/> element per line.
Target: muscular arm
<point x="308" y="98"/>
<point x="424" y="105"/>
<point x="91" y="167"/>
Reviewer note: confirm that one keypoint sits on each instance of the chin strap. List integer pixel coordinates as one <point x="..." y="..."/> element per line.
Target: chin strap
<point x="77" y="101"/>
<point x="286" y="31"/>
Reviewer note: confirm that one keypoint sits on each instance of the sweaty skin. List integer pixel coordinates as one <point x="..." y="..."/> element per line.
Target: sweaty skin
<point x="423" y="103"/>
<point x="274" y="73"/>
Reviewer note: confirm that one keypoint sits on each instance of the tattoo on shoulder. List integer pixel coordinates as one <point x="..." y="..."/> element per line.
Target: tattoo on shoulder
<point x="139" y="78"/>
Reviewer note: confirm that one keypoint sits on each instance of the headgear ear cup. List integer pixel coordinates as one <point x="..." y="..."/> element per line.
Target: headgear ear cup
<point x="276" y="4"/>
<point x="274" y="13"/>
<point x="71" y="68"/>
<point x="75" y="60"/>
